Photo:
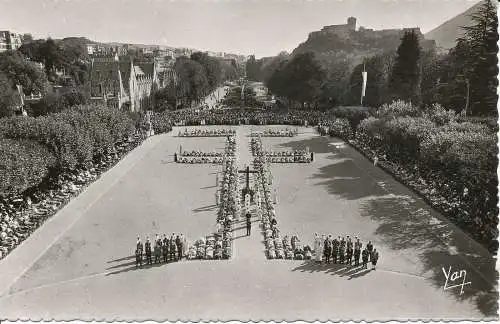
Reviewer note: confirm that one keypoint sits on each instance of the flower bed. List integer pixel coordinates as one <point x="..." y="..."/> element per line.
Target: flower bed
<point x="200" y="160"/>
<point x="207" y="133"/>
<point x="201" y="154"/>
<point x="275" y="133"/>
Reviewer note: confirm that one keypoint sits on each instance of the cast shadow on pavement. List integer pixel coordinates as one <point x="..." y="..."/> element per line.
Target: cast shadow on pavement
<point x="204" y="208"/>
<point x="340" y="270"/>
<point x="411" y="227"/>
<point x="345" y="180"/>
<point x="123" y="259"/>
<point x="130" y="266"/>
<point x="316" y="144"/>
<point x="342" y="178"/>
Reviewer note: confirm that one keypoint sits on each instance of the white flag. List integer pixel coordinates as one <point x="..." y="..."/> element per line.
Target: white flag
<point x="365" y="76"/>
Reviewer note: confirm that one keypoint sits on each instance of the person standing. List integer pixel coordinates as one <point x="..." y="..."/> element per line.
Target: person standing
<point x="335" y="250"/>
<point x="249" y="224"/>
<point x="369" y="246"/>
<point x="178" y="244"/>
<point x="172" y="247"/>
<point x="357" y="253"/>
<point x="138" y="253"/>
<point x="165" y="248"/>
<point x="328" y="249"/>
<point x="374" y="259"/>
<point x="364" y="256"/>
<point x="148" y="252"/>
<point x="184" y="245"/>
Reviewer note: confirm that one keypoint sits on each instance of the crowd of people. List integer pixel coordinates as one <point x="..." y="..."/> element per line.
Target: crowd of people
<point x="250" y="116"/>
<point x="344" y="250"/>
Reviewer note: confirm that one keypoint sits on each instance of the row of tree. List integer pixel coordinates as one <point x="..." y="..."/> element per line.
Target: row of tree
<point x="196" y="77"/>
<point x="463" y="79"/>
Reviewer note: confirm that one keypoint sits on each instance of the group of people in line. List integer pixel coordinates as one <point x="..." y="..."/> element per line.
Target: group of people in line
<point x="344" y="251"/>
<point x="164" y="249"/>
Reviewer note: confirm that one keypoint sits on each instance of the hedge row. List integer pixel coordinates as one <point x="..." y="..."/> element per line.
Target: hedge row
<point x="64" y="141"/>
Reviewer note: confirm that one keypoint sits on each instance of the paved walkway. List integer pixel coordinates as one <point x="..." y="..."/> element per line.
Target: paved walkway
<point x="246" y="247"/>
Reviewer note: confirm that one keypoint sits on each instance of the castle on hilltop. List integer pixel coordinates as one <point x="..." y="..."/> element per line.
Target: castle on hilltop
<point x="345" y="31"/>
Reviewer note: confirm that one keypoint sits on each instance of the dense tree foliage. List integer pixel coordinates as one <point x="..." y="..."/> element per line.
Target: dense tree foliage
<point x="299" y="79"/>
<point x="21" y="71"/>
<point x="482" y="61"/>
<point x="196" y="77"/>
<point x="7" y="96"/>
<point x="404" y="82"/>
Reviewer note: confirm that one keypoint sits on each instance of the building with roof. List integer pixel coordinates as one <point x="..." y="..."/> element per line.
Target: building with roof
<point x="123" y="83"/>
<point x="10" y="40"/>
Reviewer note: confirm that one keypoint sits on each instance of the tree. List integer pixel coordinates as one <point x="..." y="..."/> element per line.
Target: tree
<point x="253" y="69"/>
<point x="51" y="54"/>
<point x="405" y="80"/>
<point x="193" y="82"/>
<point x="7" y="96"/>
<point x="482" y="38"/>
<point x="212" y="68"/>
<point x="451" y="85"/>
<point x="23" y="72"/>
<point x="300" y="79"/>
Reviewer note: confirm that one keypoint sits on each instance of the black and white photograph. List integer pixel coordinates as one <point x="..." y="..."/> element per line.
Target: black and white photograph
<point x="249" y="160"/>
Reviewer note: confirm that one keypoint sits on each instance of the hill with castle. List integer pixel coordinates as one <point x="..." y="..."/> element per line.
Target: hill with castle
<point x="346" y="42"/>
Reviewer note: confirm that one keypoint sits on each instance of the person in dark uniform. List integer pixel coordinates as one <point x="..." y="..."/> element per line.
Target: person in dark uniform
<point x="349" y="250"/>
<point x="357" y="252"/>
<point x="148" y="252"/>
<point x="172" y="247"/>
<point x="138" y="253"/>
<point x="312" y="156"/>
<point x="165" y="248"/>
<point x="175" y="157"/>
<point x="374" y="258"/>
<point x="349" y="253"/>
<point x="342" y="251"/>
<point x="249" y="224"/>
<point x="364" y="256"/>
<point x="178" y="244"/>
<point x="369" y="246"/>
<point x="328" y="249"/>
<point x="335" y="250"/>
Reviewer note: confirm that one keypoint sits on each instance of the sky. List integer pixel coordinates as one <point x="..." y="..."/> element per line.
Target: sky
<point x="259" y="27"/>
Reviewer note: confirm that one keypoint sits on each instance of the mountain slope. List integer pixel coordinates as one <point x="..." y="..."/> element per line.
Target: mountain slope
<point x="447" y="33"/>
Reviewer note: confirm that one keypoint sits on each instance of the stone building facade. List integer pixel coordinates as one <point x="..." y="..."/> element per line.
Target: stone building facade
<point x="122" y="83"/>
